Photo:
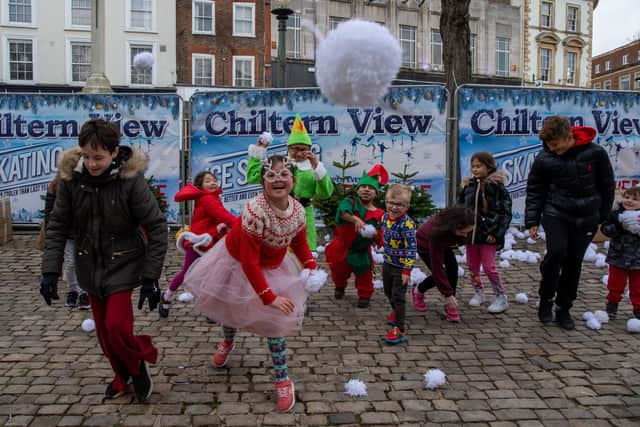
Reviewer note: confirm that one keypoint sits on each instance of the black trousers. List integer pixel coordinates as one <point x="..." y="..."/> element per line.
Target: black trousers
<point x="395" y="292"/>
<point x="562" y="265"/>
<point x="450" y="266"/>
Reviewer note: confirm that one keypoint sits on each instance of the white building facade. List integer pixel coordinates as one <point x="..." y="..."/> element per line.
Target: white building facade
<point x="47" y="43"/>
<point x="558" y="42"/>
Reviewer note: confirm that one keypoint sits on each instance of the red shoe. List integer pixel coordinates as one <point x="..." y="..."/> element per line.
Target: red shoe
<point x="395" y="336"/>
<point x="451" y="314"/>
<point x="285" y="394"/>
<point x="221" y="356"/>
<point x="391" y="320"/>
<point x="418" y="299"/>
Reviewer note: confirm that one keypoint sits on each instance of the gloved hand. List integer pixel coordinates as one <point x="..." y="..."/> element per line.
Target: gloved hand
<point x="49" y="287"/>
<point x="149" y="290"/>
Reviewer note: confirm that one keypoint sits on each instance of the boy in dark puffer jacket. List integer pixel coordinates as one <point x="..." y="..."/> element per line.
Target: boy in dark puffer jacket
<point x="570" y="191"/>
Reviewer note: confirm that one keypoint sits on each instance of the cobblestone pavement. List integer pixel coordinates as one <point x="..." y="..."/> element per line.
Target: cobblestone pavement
<point x="502" y="370"/>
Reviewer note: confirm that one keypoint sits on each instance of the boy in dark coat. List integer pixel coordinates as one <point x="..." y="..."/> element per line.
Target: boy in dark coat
<point x="569" y="191"/>
<point x="103" y="201"/>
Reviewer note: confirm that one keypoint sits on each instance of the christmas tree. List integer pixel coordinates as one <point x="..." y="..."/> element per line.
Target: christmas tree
<point x="156" y="189"/>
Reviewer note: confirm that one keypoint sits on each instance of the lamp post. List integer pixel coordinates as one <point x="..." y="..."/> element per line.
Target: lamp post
<point x="98" y="81"/>
<point x="282" y="12"/>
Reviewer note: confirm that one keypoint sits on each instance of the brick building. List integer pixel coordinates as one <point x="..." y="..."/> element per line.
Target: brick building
<point x="223" y="43"/>
<point x="618" y="69"/>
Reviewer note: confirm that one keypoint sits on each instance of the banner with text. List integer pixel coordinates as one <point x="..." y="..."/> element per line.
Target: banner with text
<point x="506" y="122"/>
<point x="406" y="133"/>
<point x="35" y="129"/>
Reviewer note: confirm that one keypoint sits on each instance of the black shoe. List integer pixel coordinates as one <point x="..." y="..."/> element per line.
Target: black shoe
<point x="339" y="293"/>
<point x="636" y="313"/>
<point x="545" y="311"/>
<point x="83" y="301"/>
<point x="163" y="307"/>
<point x="110" y="393"/>
<point x="612" y="310"/>
<point x="563" y="318"/>
<point x="363" y="302"/>
<point x="72" y="299"/>
<point x="142" y="384"/>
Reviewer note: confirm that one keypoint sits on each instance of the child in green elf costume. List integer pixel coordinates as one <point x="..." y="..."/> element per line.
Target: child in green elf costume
<point x="312" y="179"/>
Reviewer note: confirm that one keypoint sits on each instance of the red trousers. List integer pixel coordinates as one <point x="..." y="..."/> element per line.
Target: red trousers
<point x="114" y="327"/>
<point x="617" y="283"/>
<point x="340" y="273"/>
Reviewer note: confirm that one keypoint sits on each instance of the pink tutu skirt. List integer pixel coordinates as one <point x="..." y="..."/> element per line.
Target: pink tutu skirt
<point x="222" y="292"/>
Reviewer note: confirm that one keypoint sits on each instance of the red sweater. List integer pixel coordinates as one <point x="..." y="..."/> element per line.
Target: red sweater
<point x="261" y="241"/>
<point x="208" y="211"/>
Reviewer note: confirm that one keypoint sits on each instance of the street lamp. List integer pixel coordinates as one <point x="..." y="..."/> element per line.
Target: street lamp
<point x="98" y="81"/>
<point x="282" y="12"/>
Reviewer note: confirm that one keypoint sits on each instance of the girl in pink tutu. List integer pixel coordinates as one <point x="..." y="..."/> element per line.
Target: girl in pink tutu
<point x="250" y="281"/>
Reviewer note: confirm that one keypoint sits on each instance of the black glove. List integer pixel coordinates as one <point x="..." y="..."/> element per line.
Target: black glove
<point x="49" y="287"/>
<point x="149" y="290"/>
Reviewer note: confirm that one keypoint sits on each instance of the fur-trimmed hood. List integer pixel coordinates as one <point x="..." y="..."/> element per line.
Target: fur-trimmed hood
<point x="134" y="162"/>
<point x="497" y="177"/>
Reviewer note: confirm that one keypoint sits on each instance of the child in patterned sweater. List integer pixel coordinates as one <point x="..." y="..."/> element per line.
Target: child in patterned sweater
<point x="399" y="233"/>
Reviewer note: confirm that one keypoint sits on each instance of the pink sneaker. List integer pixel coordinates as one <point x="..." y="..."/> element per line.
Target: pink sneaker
<point x="418" y="299"/>
<point x="285" y="395"/>
<point x="452" y="314"/>
<point x="221" y="356"/>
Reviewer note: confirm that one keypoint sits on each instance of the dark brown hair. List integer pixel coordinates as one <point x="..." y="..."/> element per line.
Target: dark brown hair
<point x="632" y="192"/>
<point x="486" y="159"/>
<point x="199" y="179"/>
<point x="555" y="127"/>
<point x="448" y="220"/>
<point x="99" y="133"/>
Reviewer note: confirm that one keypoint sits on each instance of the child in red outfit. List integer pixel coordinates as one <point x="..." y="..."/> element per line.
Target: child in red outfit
<point x="350" y="251"/>
<point x="209" y="222"/>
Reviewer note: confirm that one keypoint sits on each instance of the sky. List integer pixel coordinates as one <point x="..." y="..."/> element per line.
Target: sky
<point x="614" y="24"/>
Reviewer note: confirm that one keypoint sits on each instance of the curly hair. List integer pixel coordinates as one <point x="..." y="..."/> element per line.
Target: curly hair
<point x="99" y="133"/>
<point x="555" y="127"/>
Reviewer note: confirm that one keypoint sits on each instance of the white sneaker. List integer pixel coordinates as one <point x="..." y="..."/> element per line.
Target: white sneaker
<point x="477" y="299"/>
<point x="498" y="305"/>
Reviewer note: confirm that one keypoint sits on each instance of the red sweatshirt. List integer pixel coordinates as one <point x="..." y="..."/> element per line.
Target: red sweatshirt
<point x="261" y="240"/>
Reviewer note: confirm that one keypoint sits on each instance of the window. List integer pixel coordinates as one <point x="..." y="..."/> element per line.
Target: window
<point x="203" y="13"/>
<point x="141" y="14"/>
<point x="140" y="76"/>
<point x="436" y="50"/>
<point x="597" y="68"/>
<point x="334" y="21"/>
<point x="545" y="64"/>
<point x="502" y="57"/>
<point x="625" y="82"/>
<point x="546" y="10"/>
<point x="20" y="12"/>
<point x="293" y="36"/>
<point x="80" y="13"/>
<point x="636" y="80"/>
<point x="408" y="45"/>
<point x="625" y="59"/>
<point x="597" y="86"/>
<point x="572" y="60"/>
<point x="80" y="61"/>
<point x="20" y="59"/>
<point x="607" y="85"/>
<point x="243" y="75"/>
<point x="243" y="19"/>
<point x="202" y="71"/>
<point x="474" y="51"/>
<point x="638" y="56"/>
<point x="607" y="65"/>
<point x="572" y="18"/>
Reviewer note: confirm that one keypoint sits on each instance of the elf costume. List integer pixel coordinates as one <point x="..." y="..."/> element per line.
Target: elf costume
<point x="350" y="252"/>
<point x="310" y="182"/>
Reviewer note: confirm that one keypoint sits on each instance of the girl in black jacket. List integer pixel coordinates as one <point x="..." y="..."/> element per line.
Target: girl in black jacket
<point x="485" y="194"/>
<point x="569" y="191"/>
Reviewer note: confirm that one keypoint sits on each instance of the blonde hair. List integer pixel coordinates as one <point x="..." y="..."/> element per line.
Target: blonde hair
<point x="395" y="190"/>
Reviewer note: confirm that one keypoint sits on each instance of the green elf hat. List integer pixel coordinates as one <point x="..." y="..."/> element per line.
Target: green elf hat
<point x="376" y="177"/>
<point x="299" y="133"/>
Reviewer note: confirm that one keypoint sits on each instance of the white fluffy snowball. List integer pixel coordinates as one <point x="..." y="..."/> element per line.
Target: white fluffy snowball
<point x="508" y="254"/>
<point x="377" y="284"/>
<point x="605" y="279"/>
<point x="434" y="378"/>
<point x="522" y="298"/>
<point x="460" y="271"/>
<point x="633" y="325"/>
<point x="356" y="63"/>
<point x="185" y="297"/>
<point x="315" y="279"/>
<point x="602" y="316"/>
<point x="590" y="255"/>
<point x="460" y="258"/>
<point x="320" y="249"/>
<point x="88" y="325"/>
<point x="504" y="264"/>
<point x="314" y="254"/>
<point x="355" y="388"/>
<point x="594" y="324"/>
<point x="588" y="315"/>
<point x="368" y="231"/>
<point x="601" y="261"/>
<point x="632" y="220"/>
<point x="417" y="276"/>
<point x="378" y="258"/>
<point x="266" y="138"/>
<point x="143" y="61"/>
<point x="606" y="244"/>
<point x="531" y="241"/>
